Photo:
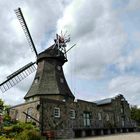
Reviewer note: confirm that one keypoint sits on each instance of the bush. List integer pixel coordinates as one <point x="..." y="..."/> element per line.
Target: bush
<point x="7" y="129"/>
<point x="29" y="135"/>
<point x="14" y="130"/>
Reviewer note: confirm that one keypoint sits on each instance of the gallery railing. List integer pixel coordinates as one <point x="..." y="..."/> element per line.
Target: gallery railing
<point x="80" y="124"/>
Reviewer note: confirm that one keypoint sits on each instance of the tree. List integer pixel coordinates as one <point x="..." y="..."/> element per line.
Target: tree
<point x="1" y="105"/>
<point x="135" y="114"/>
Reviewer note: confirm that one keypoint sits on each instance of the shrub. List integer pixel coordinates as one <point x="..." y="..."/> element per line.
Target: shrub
<point x="7" y="129"/>
<point x="14" y="130"/>
<point x="29" y="135"/>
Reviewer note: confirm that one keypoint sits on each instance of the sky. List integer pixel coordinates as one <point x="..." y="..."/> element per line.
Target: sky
<point x="104" y="62"/>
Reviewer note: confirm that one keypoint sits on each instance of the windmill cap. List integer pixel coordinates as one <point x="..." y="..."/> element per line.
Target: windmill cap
<point x="52" y="52"/>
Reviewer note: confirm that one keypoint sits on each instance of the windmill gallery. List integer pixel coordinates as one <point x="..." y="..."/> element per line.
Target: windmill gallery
<point x="51" y="104"/>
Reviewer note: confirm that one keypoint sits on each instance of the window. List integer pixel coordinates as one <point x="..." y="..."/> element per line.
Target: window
<point x="72" y="114"/>
<point x="61" y="80"/>
<point x="123" y="120"/>
<point x="121" y="110"/>
<point x="29" y="112"/>
<point x="87" y="119"/>
<point x="31" y="99"/>
<point x="99" y="116"/>
<point x="57" y="112"/>
<point x="107" y="117"/>
<point x="118" y="118"/>
<point x="58" y="67"/>
<point x="16" y="115"/>
<point x="36" y="80"/>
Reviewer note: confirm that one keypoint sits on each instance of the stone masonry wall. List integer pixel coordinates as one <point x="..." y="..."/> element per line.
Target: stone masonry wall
<point x="31" y="108"/>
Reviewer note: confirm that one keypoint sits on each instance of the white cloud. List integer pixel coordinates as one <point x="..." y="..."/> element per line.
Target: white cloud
<point x="130" y="62"/>
<point x="133" y="5"/>
<point x="101" y="40"/>
<point x="127" y="85"/>
<point x="98" y="34"/>
<point x="94" y="26"/>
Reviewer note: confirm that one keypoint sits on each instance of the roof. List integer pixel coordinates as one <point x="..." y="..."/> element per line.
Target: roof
<point x="104" y="101"/>
<point x="49" y="80"/>
<point x="108" y="100"/>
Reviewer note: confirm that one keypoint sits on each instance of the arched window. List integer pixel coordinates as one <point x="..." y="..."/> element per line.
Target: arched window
<point x="16" y="115"/>
<point x="29" y="112"/>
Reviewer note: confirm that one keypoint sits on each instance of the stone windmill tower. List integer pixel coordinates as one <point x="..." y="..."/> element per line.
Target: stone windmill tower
<point x="49" y="81"/>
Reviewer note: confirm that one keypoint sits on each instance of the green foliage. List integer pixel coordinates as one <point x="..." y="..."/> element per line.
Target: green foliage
<point x="1" y="102"/>
<point x="29" y="135"/>
<point x="135" y="114"/>
<point x="14" y="130"/>
<point x="1" y="105"/>
<point x="4" y="138"/>
<point x="10" y="130"/>
<point x="6" y="117"/>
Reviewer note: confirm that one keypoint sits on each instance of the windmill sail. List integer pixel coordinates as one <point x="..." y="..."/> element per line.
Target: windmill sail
<point x="17" y="76"/>
<point x="25" y="29"/>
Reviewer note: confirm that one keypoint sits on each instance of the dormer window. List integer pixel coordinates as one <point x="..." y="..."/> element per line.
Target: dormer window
<point x="61" y="80"/>
<point x="59" y="67"/>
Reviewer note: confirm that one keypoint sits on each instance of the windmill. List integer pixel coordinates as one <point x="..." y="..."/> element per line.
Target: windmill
<point x="49" y="66"/>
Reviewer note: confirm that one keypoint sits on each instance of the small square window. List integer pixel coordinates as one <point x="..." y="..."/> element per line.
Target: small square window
<point x="72" y="114"/>
<point x="57" y="112"/>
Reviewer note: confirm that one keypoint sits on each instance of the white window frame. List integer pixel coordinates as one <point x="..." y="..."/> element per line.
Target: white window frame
<point x="57" y="112"/>
<point x="72" y="114"/>
<point x="87" y="119"/>
<point x="107" y="117"/>
<point x="99" y="116"/>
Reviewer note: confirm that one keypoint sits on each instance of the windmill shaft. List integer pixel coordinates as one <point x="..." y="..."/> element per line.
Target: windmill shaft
<point x="25" y="29"/>
<point x="70" y="48"/>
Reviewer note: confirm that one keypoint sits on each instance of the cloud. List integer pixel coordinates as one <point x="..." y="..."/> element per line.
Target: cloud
<point x="129" y="63"/>
<point x="98" y="34"/>
<point x="103" y="36"/>
<point x="133" y="5"/>
<point x="103" y="41"/>
<point x="128" y="85"/>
